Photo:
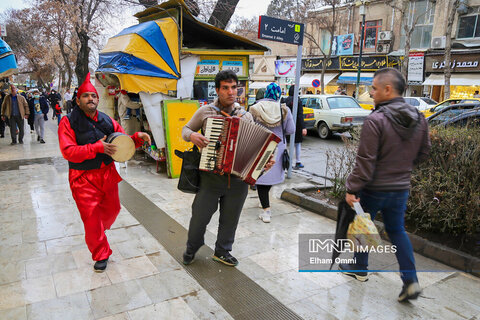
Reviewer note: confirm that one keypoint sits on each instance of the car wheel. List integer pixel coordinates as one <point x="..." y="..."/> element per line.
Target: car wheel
<point x="323" y="131"/>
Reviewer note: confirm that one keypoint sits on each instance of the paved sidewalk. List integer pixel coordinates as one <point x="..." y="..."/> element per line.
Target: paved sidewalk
<point x="47" y="270"/>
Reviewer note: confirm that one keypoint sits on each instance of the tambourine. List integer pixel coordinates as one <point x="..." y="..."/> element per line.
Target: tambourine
<point x="125" y="146"/>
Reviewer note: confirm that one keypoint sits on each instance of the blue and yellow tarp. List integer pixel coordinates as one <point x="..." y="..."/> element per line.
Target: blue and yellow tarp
<point x="144" y="57"/>
<point x="8" y="64"/>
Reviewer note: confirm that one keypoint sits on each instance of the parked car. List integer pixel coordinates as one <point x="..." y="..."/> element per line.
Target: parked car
<point x="421" y="103"/>
<point x="446" y="103"/>
<point x="469" y="119"/>
<point x="334" y="113"/>
<point x="451" y="112"/>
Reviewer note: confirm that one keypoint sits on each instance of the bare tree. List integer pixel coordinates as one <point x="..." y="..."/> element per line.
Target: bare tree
<point x="328" y="23"/>
<point x="451" y="11"/>
<point x="223" y="11"/>
<point x="404" y="9"/>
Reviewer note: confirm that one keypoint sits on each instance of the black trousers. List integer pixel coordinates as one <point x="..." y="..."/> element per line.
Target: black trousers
<point x="263" y="191"/>
<point x="214" y="190"/>
<point x="2" y="128"/>
<point x="15" y="121"/>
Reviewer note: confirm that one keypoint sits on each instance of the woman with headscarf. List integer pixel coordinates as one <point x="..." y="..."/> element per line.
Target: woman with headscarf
<point x="270" y="113"/>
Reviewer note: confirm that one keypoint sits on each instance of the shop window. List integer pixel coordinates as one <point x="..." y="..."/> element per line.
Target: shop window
<point x="372" y="28"/>
<point x="468" y="27"/>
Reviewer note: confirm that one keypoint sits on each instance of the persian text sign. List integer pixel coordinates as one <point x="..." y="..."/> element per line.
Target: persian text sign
<point x="280" y="30"/>
<point x="415" y="67"/>
<point x="208" y="67"/>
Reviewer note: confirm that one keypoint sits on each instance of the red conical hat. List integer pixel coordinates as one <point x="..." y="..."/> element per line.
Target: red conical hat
<point x="86" y="86"/>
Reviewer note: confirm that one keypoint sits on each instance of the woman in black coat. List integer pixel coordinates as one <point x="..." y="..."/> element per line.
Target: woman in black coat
<point x="300" y="130"/>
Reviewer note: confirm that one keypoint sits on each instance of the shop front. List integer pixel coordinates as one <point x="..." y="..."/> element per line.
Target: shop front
<point x="465" y="74"/>
<point x="346" y="68"/>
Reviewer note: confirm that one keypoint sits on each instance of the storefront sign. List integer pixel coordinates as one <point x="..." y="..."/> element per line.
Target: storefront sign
<point x="285" y="68"/>
<point x="369" y="63"/>
<point x="315" y="64"/>
<point x="345" y="44"/>
<point x="208" y="67"/>
<point x="415" y="68"/>
<point x="235" y="66"/>
<point x="458" y="63"/>
<point x="280" y="30"/>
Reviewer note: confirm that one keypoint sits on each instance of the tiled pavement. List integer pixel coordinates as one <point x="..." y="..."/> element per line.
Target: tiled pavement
<point x="46" y="269"/>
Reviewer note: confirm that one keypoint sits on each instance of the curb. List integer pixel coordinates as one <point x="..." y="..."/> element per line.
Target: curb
<point x="448" y="256"/>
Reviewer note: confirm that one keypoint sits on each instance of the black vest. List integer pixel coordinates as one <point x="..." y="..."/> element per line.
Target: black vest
<point x="89" y="131"/>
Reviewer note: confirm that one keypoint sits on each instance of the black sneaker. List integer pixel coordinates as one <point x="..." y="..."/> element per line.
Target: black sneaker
<point x="188" y="258"/>
<point x="20" y="142"/>
<point x="42" y="141"/>
<point x="38" y="138"/>
<point x="13" y="143"/>
<point x="101" y="265"/>
<point x="360" y="276"/>
<point x="410" y="291"/>
<point x="226" y="259"/>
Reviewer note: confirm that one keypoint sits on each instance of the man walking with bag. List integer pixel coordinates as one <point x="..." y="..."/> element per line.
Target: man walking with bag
<point x="15" y="108"/>
<point x="394" y="138"/>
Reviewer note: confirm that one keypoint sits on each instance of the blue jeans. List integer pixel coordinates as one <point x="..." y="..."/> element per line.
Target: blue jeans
<point x="392" y="205"/>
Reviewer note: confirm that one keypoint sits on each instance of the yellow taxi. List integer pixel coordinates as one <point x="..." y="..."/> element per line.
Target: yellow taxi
<point x="308" y="118"/>
<point x="446" y="103"/>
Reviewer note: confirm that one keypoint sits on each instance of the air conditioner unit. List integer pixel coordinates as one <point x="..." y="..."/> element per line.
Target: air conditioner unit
<point x="385" y="36"/>
<point x="383" y="48"/>
<point x="439" y="42"/>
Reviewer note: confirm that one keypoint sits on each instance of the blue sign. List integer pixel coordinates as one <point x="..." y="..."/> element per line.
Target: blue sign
<point x="280" y="30"/>
<point x="316" y="83"/>
<point x="345" y="44"/>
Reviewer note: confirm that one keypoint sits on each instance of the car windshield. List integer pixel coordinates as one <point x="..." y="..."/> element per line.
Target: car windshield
<point x="429" y="101"/>
<point x="342" y="103"/>
<point x="447" y="115"/>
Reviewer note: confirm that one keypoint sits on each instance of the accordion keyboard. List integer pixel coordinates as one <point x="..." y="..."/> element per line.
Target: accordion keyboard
<point x="210" y="154"/>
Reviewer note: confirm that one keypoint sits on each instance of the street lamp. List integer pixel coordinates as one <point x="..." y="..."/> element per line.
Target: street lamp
<point x="361" y="4"/>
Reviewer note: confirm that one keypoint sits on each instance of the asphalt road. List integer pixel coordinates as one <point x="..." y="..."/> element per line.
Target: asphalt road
<point x="314" y="153"/>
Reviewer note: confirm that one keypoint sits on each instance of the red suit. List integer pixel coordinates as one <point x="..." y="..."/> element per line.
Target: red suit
<point x="95" y="191"/>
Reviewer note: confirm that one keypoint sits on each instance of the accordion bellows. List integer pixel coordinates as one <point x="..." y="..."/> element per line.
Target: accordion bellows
<point x="237" y="147"/>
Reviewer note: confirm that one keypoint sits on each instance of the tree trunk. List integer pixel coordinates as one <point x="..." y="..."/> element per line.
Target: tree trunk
<point x="81" y="68"/>
<point x="448" y="47"/>
<point x="222" y="13"/>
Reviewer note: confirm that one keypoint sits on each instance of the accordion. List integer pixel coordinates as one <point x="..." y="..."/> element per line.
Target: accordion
<point x="237" y="147"/>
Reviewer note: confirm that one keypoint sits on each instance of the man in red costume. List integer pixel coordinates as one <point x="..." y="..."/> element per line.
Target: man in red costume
<point x="92" y="174"/>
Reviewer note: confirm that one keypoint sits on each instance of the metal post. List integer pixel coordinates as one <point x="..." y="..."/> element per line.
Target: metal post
<point x="298" y="67"/>
<point x="359" y="69"/>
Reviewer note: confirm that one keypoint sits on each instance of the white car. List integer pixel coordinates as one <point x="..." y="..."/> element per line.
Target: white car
<point x="334" y="113"/>
<point x="420" y="103"/>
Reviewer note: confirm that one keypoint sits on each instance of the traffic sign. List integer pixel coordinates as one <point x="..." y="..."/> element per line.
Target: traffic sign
<point x="280" y="30"/>
<point x="316" y="83"/>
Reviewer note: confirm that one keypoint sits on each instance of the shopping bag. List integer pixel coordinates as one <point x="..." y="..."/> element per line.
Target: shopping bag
<point x="362" y="231"/>
<point x="189" y="180"/>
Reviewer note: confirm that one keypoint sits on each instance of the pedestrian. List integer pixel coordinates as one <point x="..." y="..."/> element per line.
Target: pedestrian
<point x="476" y="95"/>
<point x="92" y="174"/>
<point x="267" y="112"/>
<point x="2" y="121"/>
<point x="54" y="98"/>
<point x="58" y="112"/>
<point x="67" y="97"/>
<point x="31" y="116"/>
<point x="39" y="107"/>
<point x="394" y="138"/>
<point x="15" y="108"/>
<point x="338" y="92"/>
<point x="74" y="98"/>
<point x="228" y="191"/>
<point x="300" y="130"/>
